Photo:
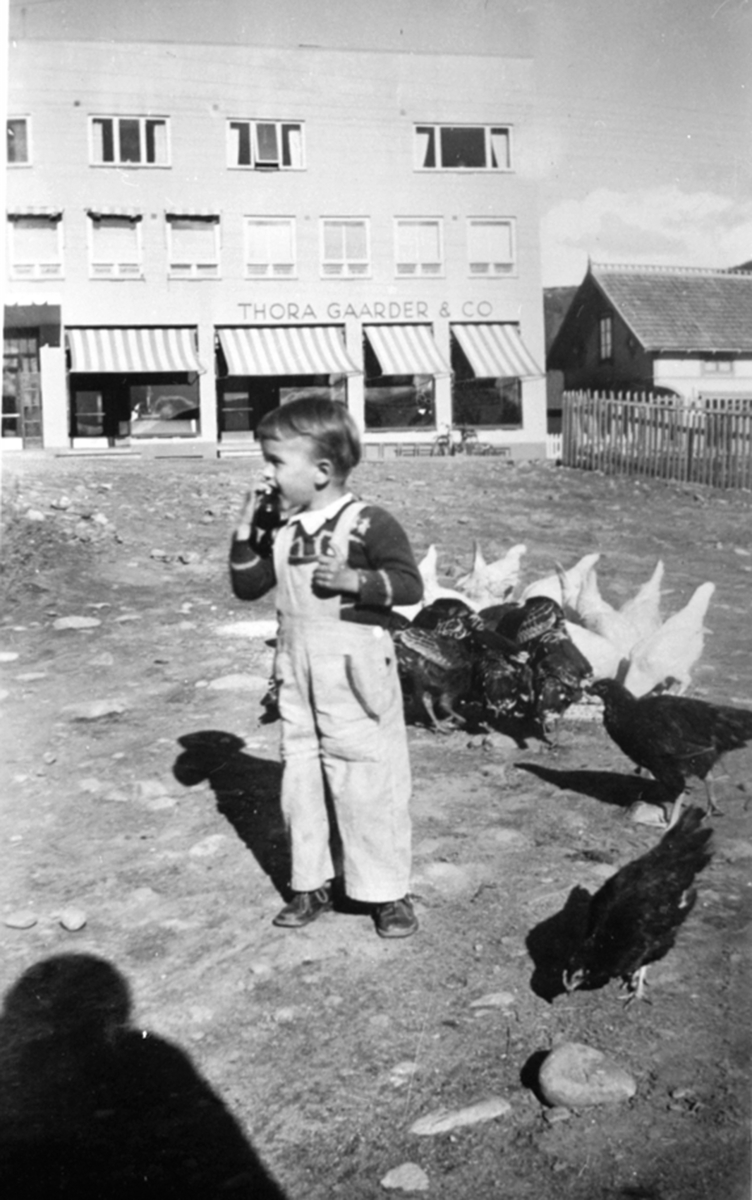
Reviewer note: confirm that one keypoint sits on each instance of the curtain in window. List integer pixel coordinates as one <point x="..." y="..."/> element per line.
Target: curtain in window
<point x="490" y="241"/>
<point x="500" y="148"/>
<point x="35" y="240"/>
<point x="114" y="239"/>
<point x="193" y="240"/>
<point x="292" y="145"/>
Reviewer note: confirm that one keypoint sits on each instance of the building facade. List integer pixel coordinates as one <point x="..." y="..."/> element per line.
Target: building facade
<point x="682" y="332"/>
<point x="195" y="233"/>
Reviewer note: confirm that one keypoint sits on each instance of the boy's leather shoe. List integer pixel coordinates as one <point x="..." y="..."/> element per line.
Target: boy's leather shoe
<point x="304" y="908"/>
<point x="395" y="919"/>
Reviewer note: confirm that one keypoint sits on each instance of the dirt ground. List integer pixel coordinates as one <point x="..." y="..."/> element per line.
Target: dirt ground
<point x="178" y="1044"/>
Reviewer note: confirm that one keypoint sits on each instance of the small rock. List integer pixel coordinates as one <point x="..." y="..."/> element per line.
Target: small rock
<point x="33" y="514"/>
<point x="647" y="814"/>
<point x="128" y="617"/>
<point x="49" y="757"/>
<point x="4" y="694"/>
<point x="409" y="1177"/>
<point x="499" y="743"/>
<point x="8" y="656"/>
<point x="72" y="919"/>
<point x="90" y="785"/>
<point x="402" y="1072"/>
<point x="31" y="676"/>
<point x="149" y="789"/>
<point x="442" y="1120"/>
<point x="554" y="1115"/>
<point x="76" y="623"/>
<point x="574" y="1075"/>
<point x="62" y="502"/>
<point x="494" y="1000"/>
<point x="22" y="918"/>
<point x="160" y="555"/>
<point x="189" y="556"/>
<point x="94" y="710"/>
<point x="208" y="846"/>
<point x="100" y="519"/>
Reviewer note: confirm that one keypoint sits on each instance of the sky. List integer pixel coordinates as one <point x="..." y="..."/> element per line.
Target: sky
<point x="641" y="133"/>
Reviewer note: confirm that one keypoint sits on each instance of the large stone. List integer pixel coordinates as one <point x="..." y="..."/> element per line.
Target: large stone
<point x="574" y="1076"/>
<point x="76" y="623"/>
<point x="409" y="1177"/>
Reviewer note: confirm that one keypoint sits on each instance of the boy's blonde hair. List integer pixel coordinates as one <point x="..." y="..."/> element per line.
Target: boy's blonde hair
<point x="326" y="422"/>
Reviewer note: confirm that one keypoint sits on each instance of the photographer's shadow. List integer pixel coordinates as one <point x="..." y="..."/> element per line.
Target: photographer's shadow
<point x="247" y="791"/>
<point x="92" y="1106"/>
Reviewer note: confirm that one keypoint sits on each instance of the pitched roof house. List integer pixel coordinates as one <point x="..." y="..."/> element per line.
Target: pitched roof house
<point x="671" y="330"/>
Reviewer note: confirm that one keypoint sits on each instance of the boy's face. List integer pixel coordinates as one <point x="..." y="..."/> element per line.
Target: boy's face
<point x="291" y="466"/>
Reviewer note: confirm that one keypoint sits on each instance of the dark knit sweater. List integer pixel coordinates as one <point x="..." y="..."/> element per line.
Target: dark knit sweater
<point x="378" y="550"/>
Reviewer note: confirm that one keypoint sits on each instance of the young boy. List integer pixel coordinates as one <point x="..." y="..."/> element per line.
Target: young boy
<point x="339" y="565"/>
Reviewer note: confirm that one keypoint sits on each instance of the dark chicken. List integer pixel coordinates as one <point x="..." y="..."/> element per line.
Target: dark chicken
<point x="674" y="737"/>
<point x="559" y="670"/>
<point x="634" y="918"/>
<point x="504" y="681"/>
<point x="436" y="667"/>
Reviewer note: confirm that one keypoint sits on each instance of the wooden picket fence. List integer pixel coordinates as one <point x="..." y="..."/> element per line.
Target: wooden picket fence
<point x="708" y="442"/>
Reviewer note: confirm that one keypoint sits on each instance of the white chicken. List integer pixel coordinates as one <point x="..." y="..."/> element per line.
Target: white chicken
<point x="597" y="615"/>
<point x="554" y="586"/>
<point x="492" y="583"/>
<point x="432" y="589"/>
<point x="643" y="611"/>
<point x="671" y="651"/>
<point x="600" y="652"/>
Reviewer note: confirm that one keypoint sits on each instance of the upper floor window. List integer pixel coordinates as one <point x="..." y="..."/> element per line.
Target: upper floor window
<point x="130" y="141"/>
<point x="18" y="141"/>
<point x="345" y="246"/>
<point x="270" y="248"/>
<point x="193" y="246"/>
<point x="265" y="145"/>
<point x="463" y="147"/>
<point x="35" y="249"/>
<point x="490" y="246"/>
<point x="115" y="246"/>
<point x="418" y="246"/>
<point x="606" y="338"/>
<point x="718" y="366"/>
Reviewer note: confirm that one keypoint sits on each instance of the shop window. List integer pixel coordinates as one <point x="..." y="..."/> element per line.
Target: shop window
<point x="193" y="247"/>
<point x="20" y="363"/>
<point x="463" y="147"/>
<point x="418" y="246"/>
<point x="605" y="339"/>
<point x="18" y="141"/>
<point x="395" y="402"/>
<point x="129" y="141"/>
<point x="490" y="246"/>
<point x="35" y="248"/>
<point x="265" y="145"/>
<point x="270" y="248"/>
<point x="345" y="247"/>
<point x="115" y="247"/>
<point x="487" y="403"/>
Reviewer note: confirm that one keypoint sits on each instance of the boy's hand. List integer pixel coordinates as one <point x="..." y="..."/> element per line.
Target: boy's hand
<point x="333" y="574"/>
<point x="245" y="517"/>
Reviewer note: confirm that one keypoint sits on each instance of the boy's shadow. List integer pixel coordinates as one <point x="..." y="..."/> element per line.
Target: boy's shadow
<point x="247" y="791"/>
<point x="551" y="944"/>
<point x="93" y="1107"/>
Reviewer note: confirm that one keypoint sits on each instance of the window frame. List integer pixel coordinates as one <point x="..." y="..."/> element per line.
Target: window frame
<point x="257" y="163"/>
<point x="349" y="266"/>
<point x="435" y="128"/>
<point x="29" y="160"/>
<point x="37" y="271"/>
<point x="420" y="271"/>
<point x="142" y="164"/>
<point x="606" y="338"/>
<point x="719" y="368"/>
<point x="273" y="272"/>
<point x="193" y="272"/>
<point x="500" y="270"/>
<point x="118" y="272"/>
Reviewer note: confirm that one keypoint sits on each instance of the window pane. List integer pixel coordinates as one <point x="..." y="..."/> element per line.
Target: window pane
<point x="500" y="148"/>
<point x="426" y="146"/>
<point x="103" y="148"/>
<point x="130" y="141"/>
<point x="17" y="142"/>
<point x="193" y="240"/>
<point x="240" y="143"/>
<point x="355" y="241"/>
<point x="156" y="141"/>
<point x="292" y="146"/>
<point x="35" y="240"/>
<point x="114" y="239"/>
<point x="428" y="241"/>
<point x="463" y="147"/>
<point x="333" y="240"/>
<point x="269" y="241"/>
<point x="266" y="143"/>
<point x="490" y="241"/>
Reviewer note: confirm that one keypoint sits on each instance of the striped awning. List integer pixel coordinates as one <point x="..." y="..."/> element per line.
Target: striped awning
<point x="406" y="350"/>
<point x="288" y="350"/>
<point x="114" y="210"/>
<point x="148" y="350"/>
<point x="496" y="351"/>
<point x="35" y="210"/>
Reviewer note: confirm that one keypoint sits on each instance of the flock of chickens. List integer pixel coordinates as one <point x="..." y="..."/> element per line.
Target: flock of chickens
<point x="476" y="652"/>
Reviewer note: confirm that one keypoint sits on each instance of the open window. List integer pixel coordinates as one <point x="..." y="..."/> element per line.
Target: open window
<point x="265" y="145"/>
<point x="463" y="148"/>
<point x="129" y="141"/>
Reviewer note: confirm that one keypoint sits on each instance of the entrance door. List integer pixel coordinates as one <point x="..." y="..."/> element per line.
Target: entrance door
<point x="22" y="389"/>
<point x="242" y="404"/>
<point x="30" y="397"/>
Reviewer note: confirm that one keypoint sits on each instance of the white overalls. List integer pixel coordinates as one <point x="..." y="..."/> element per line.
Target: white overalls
<point x="343" y="736"/>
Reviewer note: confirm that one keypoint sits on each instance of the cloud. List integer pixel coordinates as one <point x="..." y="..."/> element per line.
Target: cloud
<point x="661" y="226"/>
